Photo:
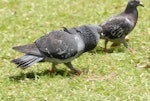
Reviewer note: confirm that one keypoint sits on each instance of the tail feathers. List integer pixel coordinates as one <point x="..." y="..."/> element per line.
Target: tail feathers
<point x="27" y="60"/>
<point x="28" y="49"/>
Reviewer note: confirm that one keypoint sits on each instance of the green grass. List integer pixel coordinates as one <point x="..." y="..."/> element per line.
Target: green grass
<point x="106" y="76"/>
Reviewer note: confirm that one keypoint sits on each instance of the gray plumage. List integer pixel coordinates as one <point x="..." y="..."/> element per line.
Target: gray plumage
<point x="117" y="27"/>
<point x="60" y="46"/>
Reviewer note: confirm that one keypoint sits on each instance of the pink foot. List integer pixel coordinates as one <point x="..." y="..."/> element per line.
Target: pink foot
<point x="105" y="49"/>
<point x="52" y="71"/>
<point x="73" y="75"/>
<point x="78" y="72"/>
<point x="132" y="50"/>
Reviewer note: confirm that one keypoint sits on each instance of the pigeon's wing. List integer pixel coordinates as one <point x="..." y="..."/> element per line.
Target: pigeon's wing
<point x="58" y="44"/>
<point x="117" y="27"/>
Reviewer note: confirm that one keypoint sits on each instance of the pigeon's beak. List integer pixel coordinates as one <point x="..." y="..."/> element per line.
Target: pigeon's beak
<point x="141" y="4"/>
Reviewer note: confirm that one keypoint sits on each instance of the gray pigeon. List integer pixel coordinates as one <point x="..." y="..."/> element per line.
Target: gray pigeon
<point x="60" y="46"/>
<point x="117" y="27"/>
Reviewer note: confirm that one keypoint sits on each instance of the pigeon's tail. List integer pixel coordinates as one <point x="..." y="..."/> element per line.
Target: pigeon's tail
<point x="27" y="60"/>
<point x="28" y="49"/>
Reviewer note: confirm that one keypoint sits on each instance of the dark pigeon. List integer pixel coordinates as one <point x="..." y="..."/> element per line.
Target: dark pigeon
<point x="117" y="27"/>
<point x="60" y="46"/>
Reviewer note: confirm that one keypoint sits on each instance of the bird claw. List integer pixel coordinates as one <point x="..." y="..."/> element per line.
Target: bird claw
<point x="78" y="72"/>
<point x="132" y="50"/>
<point x="105" y="49"/>
<point x="52" y="71"/>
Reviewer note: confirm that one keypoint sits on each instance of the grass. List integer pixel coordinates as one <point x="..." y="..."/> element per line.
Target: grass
<point x="106" y="76"/>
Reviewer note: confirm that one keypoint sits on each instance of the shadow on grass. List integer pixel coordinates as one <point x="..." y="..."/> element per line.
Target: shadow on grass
<point x="109" y="50"/>
<point x="101" y="51"/>
<point x="37" y="75"/>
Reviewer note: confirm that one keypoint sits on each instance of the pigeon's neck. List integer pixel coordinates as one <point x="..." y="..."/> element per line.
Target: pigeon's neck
<point x="89" y="41"/>
<point x="131" y="10"/>
<point x="90" y="38"/>
<point x="132" y="13"/>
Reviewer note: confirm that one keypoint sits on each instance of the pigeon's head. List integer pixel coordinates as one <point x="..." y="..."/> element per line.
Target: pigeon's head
<point x="135" y="3"/>
<point x="100" y="30"/>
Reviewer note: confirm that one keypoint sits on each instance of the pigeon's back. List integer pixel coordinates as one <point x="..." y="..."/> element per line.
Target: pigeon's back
<point x="58" y="44"/>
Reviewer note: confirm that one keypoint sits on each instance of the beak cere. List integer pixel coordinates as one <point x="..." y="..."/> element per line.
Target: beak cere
<point x="141" y="4"/>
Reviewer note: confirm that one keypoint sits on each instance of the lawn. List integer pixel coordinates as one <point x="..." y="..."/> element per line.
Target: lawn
<point x="107" y="76"/>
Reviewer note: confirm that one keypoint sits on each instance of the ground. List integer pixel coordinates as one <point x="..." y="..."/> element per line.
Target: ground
<point x="107" y="76"/>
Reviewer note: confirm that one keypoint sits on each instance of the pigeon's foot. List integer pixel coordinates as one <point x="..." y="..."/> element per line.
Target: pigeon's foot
<point x="132" y="50"/>
<point x="52" y="71"/>
<point x="78" y="72"/>
<point x="75" y="71"/>
<point x="105" y="49"/>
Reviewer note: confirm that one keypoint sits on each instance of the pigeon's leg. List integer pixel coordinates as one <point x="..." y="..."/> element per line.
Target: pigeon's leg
<point x="105" y="48"/>
<point x="127" y="46"/>
<point x="53" y="68"/>
<point x="69" y="65"/>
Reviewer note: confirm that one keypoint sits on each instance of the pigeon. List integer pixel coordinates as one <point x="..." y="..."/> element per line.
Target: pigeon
<point x="119" y="26"/>
<point x="59" y="46"/>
